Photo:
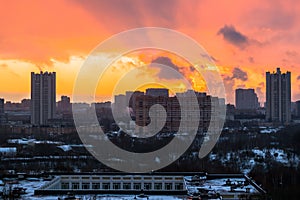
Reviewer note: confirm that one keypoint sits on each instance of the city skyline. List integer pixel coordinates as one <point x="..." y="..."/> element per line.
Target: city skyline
<point x="245" y="39"/>
<point x="145" y="89"/>
<point x="240" y="91"/>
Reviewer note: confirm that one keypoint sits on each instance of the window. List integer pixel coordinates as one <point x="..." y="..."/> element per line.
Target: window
<point x="95" y="186"/>
<point x="116" y="186"/>
<point x="147" y="186"/>
<point x="126" y="186"/>
<point x="157" y="186"/>
<point x="168" y="186"/>
<point x="75" y="186"/>
<point x="85" y="186"/>
<point x="178" y="186"/>
<point x="106" y="186"/>
<point x="65" y="186"/>
<point x="137" y="186"/>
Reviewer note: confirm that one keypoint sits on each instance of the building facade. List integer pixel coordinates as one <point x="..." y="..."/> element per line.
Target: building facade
<point x="246" y="99"/>
<point x="43" y="97"/>
<point x="2" y="111"/>
<point x="172" y="185"/>
<point x="1" y="106"/>
<point x="278" y="97"/>
<point x="156" y="92"/>
<point x="173" y="110"/>
<point x="298" y="109"/>
<point x="64" y="106"/>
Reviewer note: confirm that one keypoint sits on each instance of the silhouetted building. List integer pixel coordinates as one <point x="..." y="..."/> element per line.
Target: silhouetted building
<point x="156" y="92"/>
<point x="173" y="110"/>
<point x="278" y="96"/>
<point x="230" y="111"/>
<point x="2" y="117"/>
<point x="43" y="97"/>
<point x="298" y="109"/>
<point x="1" y="106"/>
<point x="131" y="98"/>
<point x="120" y="105"/>
<point x="64" y="106"/>
<point x="103" y="110"/>
<point x="246" y="99"/>
<point x="23" y="106"/>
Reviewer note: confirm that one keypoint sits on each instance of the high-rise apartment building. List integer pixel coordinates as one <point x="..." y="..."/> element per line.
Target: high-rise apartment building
<point x="1" y="106"/>
<point x="43" y="97"/>
<point x="278" y="97"/>
<point x="2" y="118"/>
<point x="246" y="99"/>
<point x="157" y="92"/>
<point x="298" y="108"/>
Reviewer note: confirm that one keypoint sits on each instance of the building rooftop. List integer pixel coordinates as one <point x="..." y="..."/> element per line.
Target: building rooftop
<point x="166" y="185"/>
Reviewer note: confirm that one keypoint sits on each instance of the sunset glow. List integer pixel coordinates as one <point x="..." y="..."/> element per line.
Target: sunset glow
<point x="244" y="38"/>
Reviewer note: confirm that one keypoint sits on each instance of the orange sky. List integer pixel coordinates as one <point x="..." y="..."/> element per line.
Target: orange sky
<point x="245" y="38"/>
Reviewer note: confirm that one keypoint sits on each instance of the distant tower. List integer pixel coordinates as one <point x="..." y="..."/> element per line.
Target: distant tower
<point x="1" y="106"/>
<point x="246" y="99"/>
<point x="2" y="111"/>
<point x="278" y="97"/>
<point x="43" y="97"/>
<point x="298" y="109"/>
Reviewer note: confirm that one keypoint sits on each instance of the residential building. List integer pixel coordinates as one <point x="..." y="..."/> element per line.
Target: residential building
<point x="246" y="99"/>
<point x="156" y="92"/>
<point x="298" y="109"/>
<point x="64" y="106"/>
<point x="2" y="116"/>
<point x="1" y="106"/>
<point x="43" y="97"/>
<point x="158" y="185"/>
<point x="278" y="97"/>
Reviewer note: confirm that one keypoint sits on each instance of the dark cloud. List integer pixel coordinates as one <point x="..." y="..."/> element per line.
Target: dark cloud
<point x="164" y="64"/>
<point x="237" y="73"/>
<point x="209" y="57"/>
<point x="230" y="81"/>
<point x="298" y="78"/>
<point x="251" y="59"/>
<point x="231" y="35"/>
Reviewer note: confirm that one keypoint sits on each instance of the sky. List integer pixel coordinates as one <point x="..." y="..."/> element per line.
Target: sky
<point x="244" y="38"/>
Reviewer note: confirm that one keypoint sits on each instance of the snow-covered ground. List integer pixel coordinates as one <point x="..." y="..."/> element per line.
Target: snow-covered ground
<point x="255" y="156"/>
<point x="268" y="130"/>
